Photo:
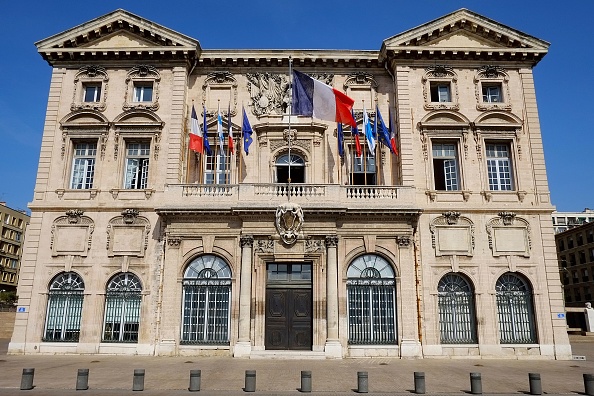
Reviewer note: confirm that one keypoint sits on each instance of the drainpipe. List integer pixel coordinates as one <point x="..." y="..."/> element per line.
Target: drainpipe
<point x="417" y="285"/>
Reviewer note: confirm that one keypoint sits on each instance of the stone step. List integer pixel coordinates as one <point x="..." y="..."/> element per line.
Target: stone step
<point x="295" y="355"/>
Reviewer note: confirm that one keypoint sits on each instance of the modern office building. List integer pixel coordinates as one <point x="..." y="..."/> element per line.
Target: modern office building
<point x="310" y="245"/>
<point x="563" y="221"/>
<point x="13" y="224"/>
<point x="575" y="251"/>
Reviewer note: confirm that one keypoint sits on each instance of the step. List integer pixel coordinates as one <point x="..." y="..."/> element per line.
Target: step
<point x="289" y="355"/>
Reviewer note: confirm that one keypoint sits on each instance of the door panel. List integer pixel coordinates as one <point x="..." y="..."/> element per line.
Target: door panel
<point x="288" y="319"/>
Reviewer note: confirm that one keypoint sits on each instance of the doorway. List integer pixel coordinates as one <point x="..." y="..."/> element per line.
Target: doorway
<point x="289" y="318"/>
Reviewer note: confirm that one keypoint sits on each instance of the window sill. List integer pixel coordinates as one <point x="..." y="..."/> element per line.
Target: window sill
<point x="70" y="194"/>
<point x="504" y="196"/>
<point x="129" y="194"/>
<point x="448" y="196"/>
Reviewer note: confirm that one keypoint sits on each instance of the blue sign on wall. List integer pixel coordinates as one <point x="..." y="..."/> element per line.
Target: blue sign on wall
<point x="21" y="309"/>
<point x="560" y="316"/>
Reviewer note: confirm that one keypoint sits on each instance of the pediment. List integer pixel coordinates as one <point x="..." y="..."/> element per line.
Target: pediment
<point x="464" y="32"/>
<point x="119" y="33"/>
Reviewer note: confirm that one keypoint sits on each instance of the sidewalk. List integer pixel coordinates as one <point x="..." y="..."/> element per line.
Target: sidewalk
<point x="112" y="375"/>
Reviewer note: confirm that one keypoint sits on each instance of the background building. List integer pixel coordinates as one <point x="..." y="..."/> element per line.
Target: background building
<point x="562" y="221"/>
<point x="140" y="246"/>
<point x="13" y="224"/>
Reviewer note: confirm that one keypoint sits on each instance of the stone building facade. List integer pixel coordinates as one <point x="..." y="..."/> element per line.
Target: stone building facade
<point x="138" y="245"/>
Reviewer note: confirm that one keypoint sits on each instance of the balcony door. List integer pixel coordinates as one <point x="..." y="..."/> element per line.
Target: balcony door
<point x="297" y="169"/>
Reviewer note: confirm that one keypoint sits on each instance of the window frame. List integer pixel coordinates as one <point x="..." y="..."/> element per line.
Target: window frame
<point x="88" y="76"/>
<point x="87" y="185"/>
<point x="71" y="287"/>
<point x="500" y="161"/>
<point x="123" y="297"/>
<point x="440" y="75"/>
<point x="138" y="77"/>
<point x="508" y="320"/>
<point x="458" y="325"/>
<point x="142" y="168"/>
<point x="490" y="76"/>
<point x="444" y="158"/>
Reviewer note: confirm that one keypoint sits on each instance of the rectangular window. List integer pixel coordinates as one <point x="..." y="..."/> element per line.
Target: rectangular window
<point x="492" y="93"/>
<point x="499" y="167"/>
<point x="561" y="245"/>
<point x="582" y="257"/>
<point x="363" y="170"/>
<point x="445" y="166"/>
<point x="590" y="236"/>
<point x="580" y="239"/>
<point x="137" y="165"/>
<point x="83" y="166"/>
<point x="218" y="166"/>
<point x="440" y="92"/>
<point x="570" y="243"/>
<point x="92" y="93"/>
<point x="143" y="92"/>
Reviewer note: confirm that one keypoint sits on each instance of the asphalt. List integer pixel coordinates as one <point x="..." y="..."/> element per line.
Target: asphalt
<point x="113" y="375"/>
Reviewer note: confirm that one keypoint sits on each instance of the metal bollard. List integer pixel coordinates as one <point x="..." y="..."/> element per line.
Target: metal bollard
<point x="138" y="383"/>
<point x="476" y="386"/>
<point x="250" y="381"/>
<point x="589" y="384"/>
<point x="305" y="381"/>
<point x="419" y="382"/>
<point x="535" y="385"/>
<point x="195" y="380"/>
<point x="82" y="379"/>
<point x="362" y="382"/>
<point x="27" y="379"/>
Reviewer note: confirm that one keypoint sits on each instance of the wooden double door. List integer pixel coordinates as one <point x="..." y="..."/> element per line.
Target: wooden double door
<point x="288" y="308"/>
<point x="288" y="319"/>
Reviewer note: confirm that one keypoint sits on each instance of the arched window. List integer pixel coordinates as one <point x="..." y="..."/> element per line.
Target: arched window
<point x="122" y="309"/>
<point x="64" y="308"/>
<point x="206" y="301"/>
<point x="371" y="301"/>
<point x="457" y="323"/>
<point x="297" y="169"/>
<point x="515" y="310"/>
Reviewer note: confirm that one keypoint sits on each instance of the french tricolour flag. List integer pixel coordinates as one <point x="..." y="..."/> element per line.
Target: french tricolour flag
<point x="196" y="137"/>
<point x="315" y="99"/>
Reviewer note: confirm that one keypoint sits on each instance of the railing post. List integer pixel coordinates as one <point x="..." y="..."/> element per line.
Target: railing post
<point x="419" y="382"/>
<point x="82" y="379"/>
<point x="362" y="382"/>
<point x="27" y="379"/>
<point x="195" y="380"/>
<point x="305" y="381"/>
<point x="138" y="381"/>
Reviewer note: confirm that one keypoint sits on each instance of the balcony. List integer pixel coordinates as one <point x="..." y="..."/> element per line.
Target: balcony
<point x="209" y="196"/>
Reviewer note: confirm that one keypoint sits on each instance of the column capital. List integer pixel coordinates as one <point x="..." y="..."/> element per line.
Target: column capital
<point x="331" y="240"/>
<point x="246" y="241"/>
<point x="403" y="241"/>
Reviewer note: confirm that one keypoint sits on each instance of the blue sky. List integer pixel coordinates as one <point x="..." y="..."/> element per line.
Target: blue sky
<point x="563" y="78"/>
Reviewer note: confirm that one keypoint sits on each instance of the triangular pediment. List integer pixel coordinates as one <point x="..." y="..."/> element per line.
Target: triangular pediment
<point x="117" y="31"/>
<point x="464" y="31"/>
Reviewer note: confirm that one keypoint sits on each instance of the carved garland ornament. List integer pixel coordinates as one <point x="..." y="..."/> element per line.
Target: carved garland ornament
<point x="139" y="74"/>
<point x="440" y="73"/>
<point x="264" y="246"/>
<point x="361" y="80"/>
<point x="90" y="74"/>
<point x="289" y="220"/>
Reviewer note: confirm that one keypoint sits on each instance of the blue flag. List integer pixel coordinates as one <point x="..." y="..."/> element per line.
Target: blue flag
<point x="205" y="127"/>
<point x="383" y="133"/>
<point x="340" y="140"/>
<point x="246" y="131"/>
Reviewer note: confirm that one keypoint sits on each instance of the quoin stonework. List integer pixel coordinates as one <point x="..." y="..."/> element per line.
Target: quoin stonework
<point x="138" y="245"/>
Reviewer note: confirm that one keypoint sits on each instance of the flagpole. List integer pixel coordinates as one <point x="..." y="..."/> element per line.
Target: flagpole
<point x="290" y="114"/>
<point x="228" y="181"/>
<point x="377" y="144"/>
<point x="363" y="154"/>
<point x="188" y="148"/>
<point x="241" y="147"/>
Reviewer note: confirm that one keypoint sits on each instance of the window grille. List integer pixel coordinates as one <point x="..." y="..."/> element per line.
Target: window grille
<point x="206" y="301"/>
<point x="515" y="310"/>
<point x="122" y="309"/>
<point x="64" y="308"/>
<point x="456" y="310"/>
<point x="371" y="301"/>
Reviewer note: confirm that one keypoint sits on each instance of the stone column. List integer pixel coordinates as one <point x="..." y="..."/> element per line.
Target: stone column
<point x="243" y="346"/>
<point x="333" y="347"/>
